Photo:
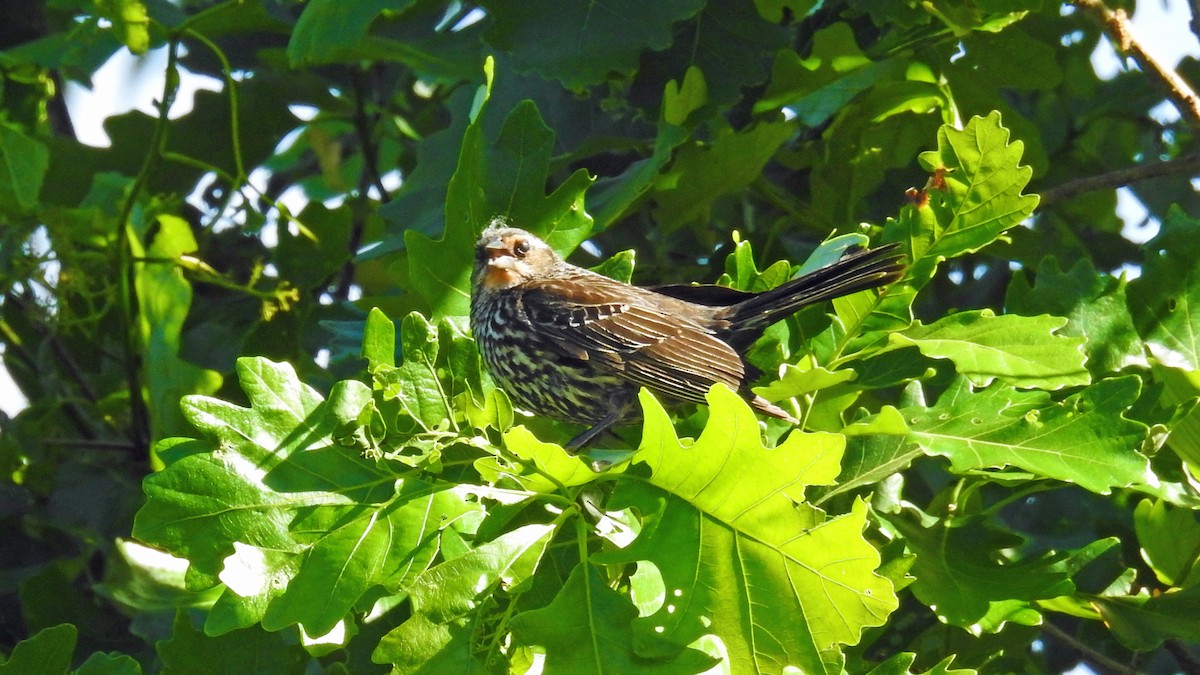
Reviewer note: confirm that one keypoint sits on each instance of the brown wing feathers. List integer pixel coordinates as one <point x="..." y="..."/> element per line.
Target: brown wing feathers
<point x="684" y="352"/>
<point x="672" y="354"/>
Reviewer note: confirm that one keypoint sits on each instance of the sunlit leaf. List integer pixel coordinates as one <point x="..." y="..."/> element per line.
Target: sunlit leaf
<point x="1086" y="439"/>
<point x="1024" y="351"/>
<point x="778" y="582"/>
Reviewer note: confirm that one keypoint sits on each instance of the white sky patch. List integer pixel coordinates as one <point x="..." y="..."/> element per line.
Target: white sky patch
<point x="127" y="82"/>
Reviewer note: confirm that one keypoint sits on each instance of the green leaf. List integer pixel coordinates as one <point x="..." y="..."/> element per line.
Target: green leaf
<point x="740" y="555"/>
<point x="329" y="28"/>
<point x="583" y="44"/>
<point x="421" y="646"/>
<point x="1023" y="351"/>
<point x="680" y="100"/>
<point x="588" y="629"/>
<point x="415" y="383"/>
<point x="983" y="182"/>
<point x="505" y="176"/>
<point x="164" y="298"/>
<point x="447" y="598"/>
<point x="1170" y="542"/>
<point x="875" y="449"/>
<point x="379" y="340"/>
<point x="797" y="381"/>
<point x="618" y="266"/>
<point x="130" y="22"/>
<point x="962" y="575"/>
<point x="311" y="258"/>
<point x="817" y="87"/>
<point x="218" y="489"/>
<point x="1181" y="389"/>
<point x="190" y="651"/>
<point x="109" y="664"/>
<point x="1095" y="306"/>
<point x="49" y="651"/>
<point x="297" y="526"/>
<point x="23" y="164"/>
<point x="701" y="174"/>
<point x="974" y="196"/>
<point x="1165" y="300"/>
<point x="727" y="41"/>
<point x="901" y="664"/>
<point x="534" y="465"/>
<point x="1143" y="622"/>
<point x="1086" y="439"/>
<point x="387" y="548"/>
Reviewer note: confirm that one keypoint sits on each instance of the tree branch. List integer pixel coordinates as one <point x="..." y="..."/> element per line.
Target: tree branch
<point x="1189" y="163"/>
<point x="1116" y="25"/>
<point x="1188" y="663"/>
<point x="1102" y="662"/>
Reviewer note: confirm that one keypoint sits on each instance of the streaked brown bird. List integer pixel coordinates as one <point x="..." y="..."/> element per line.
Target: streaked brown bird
<point x="576" y="346"/>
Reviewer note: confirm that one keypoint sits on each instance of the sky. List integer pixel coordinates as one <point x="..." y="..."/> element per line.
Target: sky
<point x="125" y="83"/>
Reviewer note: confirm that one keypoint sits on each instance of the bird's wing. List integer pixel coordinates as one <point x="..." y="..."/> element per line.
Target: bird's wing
<point x="622" y="329"/>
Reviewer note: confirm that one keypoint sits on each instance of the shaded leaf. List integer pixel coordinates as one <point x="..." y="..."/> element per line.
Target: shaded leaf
<point x="250" y="650"/>
<point x="816" y="87"/>
<point x="1095" y="306"/>
<point x="448" y="597"/>
<point x="23" y="165"/>
<point x="1165" y="300"/>
<point x="729" y="42"/>
<point x="49" y="651"/>
<point x="327" y="29"/>
<point x="583" y="44"/>
<point x="164" y="298"/>
<point x="1143" y="622"/>
<point x="588" y="629"/>
<point x="701" y="174"/>
<point x="962" y="575"/>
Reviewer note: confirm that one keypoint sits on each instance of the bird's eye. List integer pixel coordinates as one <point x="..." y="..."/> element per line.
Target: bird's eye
<point x="521" y="248"/>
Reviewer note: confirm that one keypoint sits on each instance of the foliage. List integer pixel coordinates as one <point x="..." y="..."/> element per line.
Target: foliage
<point x="259" y="437"/>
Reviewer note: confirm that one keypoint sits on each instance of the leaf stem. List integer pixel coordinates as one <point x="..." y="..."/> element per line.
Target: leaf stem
<point x="127" y="270"/>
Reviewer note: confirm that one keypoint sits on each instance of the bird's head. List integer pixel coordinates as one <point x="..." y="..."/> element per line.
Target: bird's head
<point x="506" y="257"/>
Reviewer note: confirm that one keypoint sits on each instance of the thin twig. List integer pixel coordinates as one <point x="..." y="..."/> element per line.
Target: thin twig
<point x="15" y="349"/>
<point x="1116" y="25"/>
<point x="127" y="269"/>
<point x="90" y="444"/>
<point x="364" y="126"/>
<point x="1103" y="662"/>
<point x="1188" y="662"/>
<point x="1189" y="163"/>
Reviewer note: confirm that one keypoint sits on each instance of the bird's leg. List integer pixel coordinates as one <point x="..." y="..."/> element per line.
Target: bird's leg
<point x="605" y="423"/>
<point x="576" y="444"/>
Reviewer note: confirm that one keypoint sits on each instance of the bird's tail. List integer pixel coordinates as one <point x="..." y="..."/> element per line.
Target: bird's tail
<point x="860" y="270"/>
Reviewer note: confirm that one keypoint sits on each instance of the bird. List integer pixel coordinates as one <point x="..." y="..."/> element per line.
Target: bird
<point x="573" y="345"/>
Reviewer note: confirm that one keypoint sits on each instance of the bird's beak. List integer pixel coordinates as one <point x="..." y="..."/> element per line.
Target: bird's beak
<point x="498" y="254"/>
